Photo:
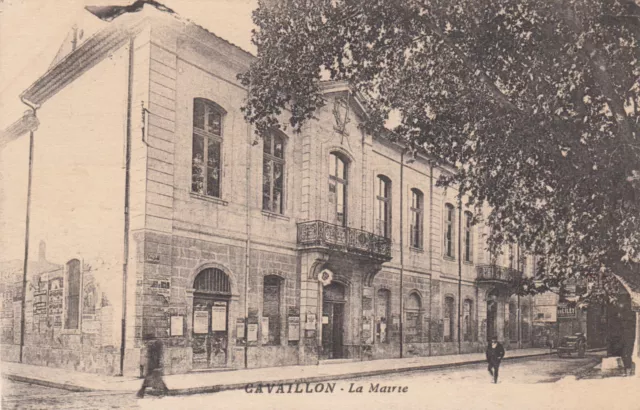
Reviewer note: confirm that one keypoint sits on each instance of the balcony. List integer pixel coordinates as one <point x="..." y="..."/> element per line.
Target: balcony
<point x="498" y="275"/>
<point x="324" y="235"/>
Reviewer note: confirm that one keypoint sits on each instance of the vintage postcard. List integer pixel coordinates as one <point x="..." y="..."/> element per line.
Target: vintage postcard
<point x="274" y="204"/>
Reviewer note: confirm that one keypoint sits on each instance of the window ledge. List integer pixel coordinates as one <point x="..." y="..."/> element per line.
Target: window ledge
<point x="448" y="258"/>
<point x="469" y="263"/>
<point x="274" y="215"/>
<point x="417" y="250"/>
<point x="209" y="199"/>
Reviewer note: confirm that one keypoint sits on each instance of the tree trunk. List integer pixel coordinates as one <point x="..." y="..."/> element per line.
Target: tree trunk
<point x="635" y="357"/>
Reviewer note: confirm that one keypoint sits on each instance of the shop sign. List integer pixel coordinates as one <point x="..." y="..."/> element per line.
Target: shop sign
<point x="566" y="312"/>
<point x="161" y="287"/>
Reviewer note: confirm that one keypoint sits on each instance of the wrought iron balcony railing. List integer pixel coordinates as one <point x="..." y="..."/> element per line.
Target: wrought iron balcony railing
<point x="320" y="234"/>
<point x="495" y="273"/>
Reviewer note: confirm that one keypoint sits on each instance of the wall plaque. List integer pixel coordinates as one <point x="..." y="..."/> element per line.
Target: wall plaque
<point x="177" y="325"/>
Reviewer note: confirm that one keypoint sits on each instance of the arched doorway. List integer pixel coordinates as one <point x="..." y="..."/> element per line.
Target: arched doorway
<point x="333" y="310"/>
<point x="492" y="314"/>
<point x="212" y="291"/>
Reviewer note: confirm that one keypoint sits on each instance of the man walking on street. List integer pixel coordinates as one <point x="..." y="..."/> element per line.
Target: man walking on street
<point x="154" y="370"/>
<point x="495" y="353"/>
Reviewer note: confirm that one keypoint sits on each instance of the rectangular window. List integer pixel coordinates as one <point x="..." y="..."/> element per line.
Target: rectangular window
<point x="338" y="189"/>
<point x="468" y="321"/>
<point x="448" y="319"/>
<point x="273" y="174"/>
<point x="468" y="242"/>
<point x="383" y="307"/>
<point x="383" y="207"/>
<point x="416" y="219"/>
<point x="448" y="230"/>
<point x="206" y="151"/>
<point x="271" y="307"/>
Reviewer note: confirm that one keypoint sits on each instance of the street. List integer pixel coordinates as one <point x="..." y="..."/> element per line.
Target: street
<point x="466" y="386"/>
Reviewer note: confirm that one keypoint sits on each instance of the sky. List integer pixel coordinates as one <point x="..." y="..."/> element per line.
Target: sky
<point x="31" y="32"/>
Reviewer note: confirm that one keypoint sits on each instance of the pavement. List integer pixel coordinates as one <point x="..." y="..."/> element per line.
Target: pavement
<point x="215" y="381"/>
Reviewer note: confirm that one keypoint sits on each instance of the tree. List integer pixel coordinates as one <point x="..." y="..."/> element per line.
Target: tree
<point x="536" y="103"/>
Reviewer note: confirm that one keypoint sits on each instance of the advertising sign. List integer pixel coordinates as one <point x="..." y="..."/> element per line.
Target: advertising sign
<point x="219" y="316"/>
<point x="200" y="321"/>
<point x="293" y="327"/>
<point x="252" y="332"/>
<point x="177" y="323"/>
<point x="264" y="329"/>
<point x="566" y="312"/>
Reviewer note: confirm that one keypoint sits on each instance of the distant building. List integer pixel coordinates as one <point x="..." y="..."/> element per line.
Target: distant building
<point x="237" y="252"/>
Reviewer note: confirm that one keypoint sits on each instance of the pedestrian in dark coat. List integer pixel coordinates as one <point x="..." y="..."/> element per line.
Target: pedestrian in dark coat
<point x="153" y="378"/>
<point x="495" y="353"/>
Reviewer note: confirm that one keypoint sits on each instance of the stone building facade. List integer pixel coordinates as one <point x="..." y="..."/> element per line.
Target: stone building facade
<point x="242" y="252"/>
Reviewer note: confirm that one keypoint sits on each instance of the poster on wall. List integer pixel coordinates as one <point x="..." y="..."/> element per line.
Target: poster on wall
<point x="264" y="329"/>
<point x="200" y="321"/>
<point x="177" y="323"/>
<point x="252" y="332"/>
<point x="293" y="327"/>
<point x="219" y="316"/>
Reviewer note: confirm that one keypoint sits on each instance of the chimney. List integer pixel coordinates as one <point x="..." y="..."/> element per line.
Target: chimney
<point x="42" y="252"/>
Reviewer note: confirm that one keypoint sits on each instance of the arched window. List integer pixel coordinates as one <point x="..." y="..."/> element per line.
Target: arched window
<point x="417" y="212"/>
<point x="271" y="300"/>
<point x="212" y="281"/>
<point x="383" y="206"/>
<point x="449" y="319"/>
<point x="338" y="178"/>
<point x="449" y="221"/>
<point x="468" y="238"/>
<point x="467" y="317"/>
<point x="74" y="279"/>
<point x="383" y="315"/>
<point x="273" y="173"/>
<point x="206" y="166"/>
<point x="413" y="318"/>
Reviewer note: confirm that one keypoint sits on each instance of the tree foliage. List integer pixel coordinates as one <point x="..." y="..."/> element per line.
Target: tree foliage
<point x="536" y="102"/>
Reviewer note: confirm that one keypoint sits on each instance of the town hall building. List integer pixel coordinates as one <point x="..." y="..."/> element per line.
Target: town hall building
<point x="156" y="213"/>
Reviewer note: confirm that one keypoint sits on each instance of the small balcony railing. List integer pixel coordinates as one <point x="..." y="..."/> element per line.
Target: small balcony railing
<point x="497" y="274"/>
<point x="320" y="234"/>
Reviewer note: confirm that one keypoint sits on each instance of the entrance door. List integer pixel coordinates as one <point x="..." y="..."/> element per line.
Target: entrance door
<point x="210" y="319"/>
<point x="332" y="330"/>
<point x="492" y="317"/>
<point x="210" y="324"/>
<point x="333" y="307"/>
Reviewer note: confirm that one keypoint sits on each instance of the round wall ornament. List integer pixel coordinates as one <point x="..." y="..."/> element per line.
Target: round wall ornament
<point x="325" y="276"/>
